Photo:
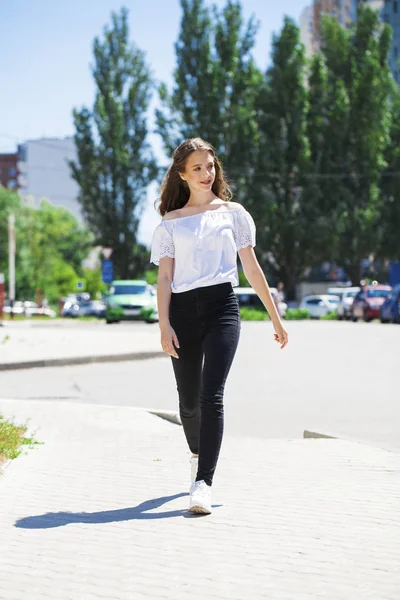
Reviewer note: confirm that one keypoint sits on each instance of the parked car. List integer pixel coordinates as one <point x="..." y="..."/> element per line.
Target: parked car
<point x="29" y="309"/>
<point x="319" y="306"/>
<point x="346" y="297"/>
<point x="131" y="300"/>
<point x="390" y="309"/>
<point x="17" y="309"/>
<point x="81" y="305"/>
<point x="150" y="312"/>
<point x="367" y="303"/>
<point x="248" y="297"/>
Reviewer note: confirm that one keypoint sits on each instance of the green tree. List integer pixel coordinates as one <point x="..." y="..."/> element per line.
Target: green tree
<point x="50" y="248"/>
<point x="115" y="163"/>
<point x="94" y="284"/>
<point x="215" y="88"/>
<point x="327" y="124"/>
<point x="356" y="135"/>
<point x="64" y="234"/>
<point x="389" y="222"/>
<point x="284" y="214"/>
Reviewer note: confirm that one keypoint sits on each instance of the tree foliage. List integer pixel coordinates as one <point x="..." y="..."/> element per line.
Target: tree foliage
<point x="356" y="134"/>
<point x="324" y="142"/>
<point x="115" y="162"/>
<point x="389" y="219"/>
<point x="283" y="213"/>
<point x="216" y="84"/>
<point x="50" y="246"/>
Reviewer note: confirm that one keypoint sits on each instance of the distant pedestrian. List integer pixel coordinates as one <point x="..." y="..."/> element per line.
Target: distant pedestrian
<point x="196" y="247"/>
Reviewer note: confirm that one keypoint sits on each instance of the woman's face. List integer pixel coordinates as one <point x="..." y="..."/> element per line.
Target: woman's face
<point x="199" y="171"/>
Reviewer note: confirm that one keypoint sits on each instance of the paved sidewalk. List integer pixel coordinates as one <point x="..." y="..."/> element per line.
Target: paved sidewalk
<point x="28" y="345"/>
<point x="99" y="511"/>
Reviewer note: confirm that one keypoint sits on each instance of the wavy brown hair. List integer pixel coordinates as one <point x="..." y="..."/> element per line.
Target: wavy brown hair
<point x="174" y="191"/>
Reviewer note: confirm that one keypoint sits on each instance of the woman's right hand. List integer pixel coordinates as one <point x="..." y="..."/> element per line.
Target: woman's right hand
<point x="169" y="340"/>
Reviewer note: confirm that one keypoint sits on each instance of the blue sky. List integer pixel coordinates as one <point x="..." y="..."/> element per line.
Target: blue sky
<point x="46" y="49"/>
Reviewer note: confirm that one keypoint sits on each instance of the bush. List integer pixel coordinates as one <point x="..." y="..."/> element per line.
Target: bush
<point x="253" y="314"/>
<point x="297" y="314"/>
<point x="151" y="276"/>
<point x="330" y="317"/>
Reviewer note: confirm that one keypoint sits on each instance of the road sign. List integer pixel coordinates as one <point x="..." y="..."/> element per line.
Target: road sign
<point x="107" y="271"/>
<point x="80" y="285"/>
<point x="106" y="251"/>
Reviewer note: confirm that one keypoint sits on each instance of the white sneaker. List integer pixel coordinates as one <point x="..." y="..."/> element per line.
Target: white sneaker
<point x="200" y="498"/>
<point x="194" y="464"/>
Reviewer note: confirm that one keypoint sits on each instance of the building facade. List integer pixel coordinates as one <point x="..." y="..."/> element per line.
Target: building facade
<point x="391" y="15"/>
<point x="345" y="11"/>
<point x="9" y="171"/>
<point x="44" y="172"/>
<point x="307" y="29"/>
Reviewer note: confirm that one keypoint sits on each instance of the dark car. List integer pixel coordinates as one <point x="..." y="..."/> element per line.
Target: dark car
<point x="81" y="305"/>
<point x="390" y="309"/>
<point x="367" y="304"/>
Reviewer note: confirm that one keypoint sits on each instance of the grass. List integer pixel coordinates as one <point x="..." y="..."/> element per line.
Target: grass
<point x="12" y="439"/>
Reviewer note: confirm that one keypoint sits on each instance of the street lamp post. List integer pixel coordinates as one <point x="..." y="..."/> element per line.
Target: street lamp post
<point x="2" y="297"/>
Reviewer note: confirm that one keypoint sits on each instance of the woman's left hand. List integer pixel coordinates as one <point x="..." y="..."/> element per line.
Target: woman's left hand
<point x="281" y="335"/>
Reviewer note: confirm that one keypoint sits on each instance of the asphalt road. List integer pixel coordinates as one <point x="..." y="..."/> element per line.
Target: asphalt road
<point x="336" y="378"/>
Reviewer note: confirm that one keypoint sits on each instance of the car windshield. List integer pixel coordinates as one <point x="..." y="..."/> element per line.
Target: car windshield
<point x="334" y="300"/>
<point x="378" y="293"/>
<point x="131" y="290"/>
<point x="351" y="294"/>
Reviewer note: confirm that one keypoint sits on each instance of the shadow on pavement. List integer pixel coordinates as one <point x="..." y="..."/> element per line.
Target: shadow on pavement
<point x="60" y="519"/>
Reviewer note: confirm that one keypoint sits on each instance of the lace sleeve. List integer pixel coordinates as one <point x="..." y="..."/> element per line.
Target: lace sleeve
<point x="245" y="230"/>
<point x="162" y="243"/>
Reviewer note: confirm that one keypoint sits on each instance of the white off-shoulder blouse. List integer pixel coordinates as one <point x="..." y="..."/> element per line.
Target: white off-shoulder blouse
<point x="204" y="246"/>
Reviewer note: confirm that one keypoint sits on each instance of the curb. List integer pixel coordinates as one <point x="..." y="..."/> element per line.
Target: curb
<point x="81" y="360"/>
<point x="168" y="415"/>
<point x="315" y="435"/>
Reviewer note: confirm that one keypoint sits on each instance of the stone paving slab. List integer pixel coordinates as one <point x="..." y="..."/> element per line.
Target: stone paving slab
<point x="99" y="511"/>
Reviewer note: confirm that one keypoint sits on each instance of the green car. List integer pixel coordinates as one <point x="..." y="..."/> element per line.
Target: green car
<point x="131" y="300"/>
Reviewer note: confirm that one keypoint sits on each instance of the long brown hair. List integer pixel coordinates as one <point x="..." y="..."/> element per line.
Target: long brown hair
<point x="174" y="191"/>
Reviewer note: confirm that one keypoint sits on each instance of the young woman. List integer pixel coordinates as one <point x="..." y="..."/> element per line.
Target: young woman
<point x="196" y="246"/>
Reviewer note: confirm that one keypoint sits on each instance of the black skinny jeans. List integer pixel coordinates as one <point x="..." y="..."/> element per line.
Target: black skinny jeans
<point x="207" y="323"/>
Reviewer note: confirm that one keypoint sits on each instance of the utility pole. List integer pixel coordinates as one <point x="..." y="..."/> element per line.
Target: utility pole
<point x="11" y="262"/>
<point x="2" y="297"/>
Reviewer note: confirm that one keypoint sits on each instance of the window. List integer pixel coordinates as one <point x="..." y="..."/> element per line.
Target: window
<point x="377" y="293"/>
<point x="12" y="172"/>
<point x="122" y="290"/>
<point x="314" y="301"/>
<point x="11" y="184"/>
<point x="395" y="6"/>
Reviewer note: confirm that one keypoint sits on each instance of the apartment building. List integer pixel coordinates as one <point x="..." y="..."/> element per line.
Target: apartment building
<point x="44" y="172"/>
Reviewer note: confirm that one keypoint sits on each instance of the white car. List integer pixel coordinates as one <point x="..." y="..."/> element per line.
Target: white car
<point x="319" y="306"/>
<point x="345" y="301"/>
<point x="248" y="297"/>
